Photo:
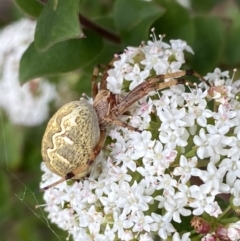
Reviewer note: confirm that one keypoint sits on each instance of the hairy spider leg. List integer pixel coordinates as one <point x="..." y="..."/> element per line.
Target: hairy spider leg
<point x="103" y="82"/>
<point x="94" y="81"/>
<point x="154" y="83"/>
<point x="118" y="122"/>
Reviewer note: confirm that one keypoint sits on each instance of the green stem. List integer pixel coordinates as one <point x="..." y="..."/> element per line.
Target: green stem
<point x="224" y="212"/>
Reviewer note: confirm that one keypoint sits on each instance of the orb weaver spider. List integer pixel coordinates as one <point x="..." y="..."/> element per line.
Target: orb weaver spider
<point x="76" y="133"/>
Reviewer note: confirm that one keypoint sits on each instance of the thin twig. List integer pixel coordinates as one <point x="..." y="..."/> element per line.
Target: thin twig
<point x="101" y="31"/>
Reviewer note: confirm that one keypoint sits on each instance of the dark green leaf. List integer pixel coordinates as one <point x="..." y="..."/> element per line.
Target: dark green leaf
<point x="175" y="23"/>
<point x="134" y="18"/>
<point x="30" y="7"/>
<point x="105" y="22"/>
<point x="208" y="44"/>
<point x="107" y="54"/>
<point x="204" y="6"/>
<point x="93" y="9"/>
<point x="57" y="22"/>
<point x="238" y="3"/>
<point x="60" y="58"/>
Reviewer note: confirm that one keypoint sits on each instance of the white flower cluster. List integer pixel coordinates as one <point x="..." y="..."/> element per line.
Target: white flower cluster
<point x="145" y="184"/>
<point x="28" y="104"/>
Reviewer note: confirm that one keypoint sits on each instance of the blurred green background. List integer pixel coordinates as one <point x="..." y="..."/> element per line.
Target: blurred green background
<point x="211" y="28"/>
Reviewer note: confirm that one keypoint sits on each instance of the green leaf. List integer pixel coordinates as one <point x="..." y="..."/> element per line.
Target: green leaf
<point x="26" y="230"/>
<point x="204" y="6"/>
<point x="5" y="190"/>
<point x="30" y="7"/>
<point x="208" y="44"/>
<point x="134" y="18"/>
<point x="11" y="144"/>
<point x="232" y="50"/>
<point x="106" y="55"/>
<point x="175" y="23"/>
<point x="57" y="22"/>
<point x="61" y="58"/>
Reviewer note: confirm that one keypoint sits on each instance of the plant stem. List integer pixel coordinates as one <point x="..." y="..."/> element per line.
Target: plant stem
<point x="224" y="212"/>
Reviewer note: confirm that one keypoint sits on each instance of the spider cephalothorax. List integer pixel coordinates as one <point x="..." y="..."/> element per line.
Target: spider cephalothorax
<point x="76" y="133"/>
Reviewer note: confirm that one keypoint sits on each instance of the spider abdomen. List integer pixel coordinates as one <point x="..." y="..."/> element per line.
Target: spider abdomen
<point x="70" y="137"/>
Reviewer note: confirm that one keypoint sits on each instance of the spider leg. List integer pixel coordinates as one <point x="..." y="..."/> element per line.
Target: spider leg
<point x="139" y="92"/>
<point x="97" y="149"/>
<point x="94" y="81"/>
<point x="154" y="83"/>
<point x="103" y="82"/>
<point x="118" y="122"/>
<point x="84" y="167"/>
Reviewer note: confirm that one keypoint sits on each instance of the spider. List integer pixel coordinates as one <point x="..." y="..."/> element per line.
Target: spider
<point x="76" y="133"/>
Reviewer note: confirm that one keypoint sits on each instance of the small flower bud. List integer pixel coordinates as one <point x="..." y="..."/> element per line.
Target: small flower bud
<point x="209" y="237"/>
<point x="200" y="225"/>
<point x="222" y="233"/>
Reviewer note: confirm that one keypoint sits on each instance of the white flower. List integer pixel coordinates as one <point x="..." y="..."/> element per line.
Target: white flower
<point x="114" y="82"/>
<point x="174" y="119"/>
<point x="142" y="222"/>
<point x="136" y="76"/>
<point x="199" y="199"/>
<point x="28" y="104"/>
<point x="216" y="78"/>
<point x="233" y="169"/>
<point x="152" y="61"/>
<point x="219" y="135"/>
<point x="141" y="142"/>
<point x="108" y="235"/>
<point x="173" y="138"/>
<point x="205" y="149"/>
<point x="195" y="97"/>
<point x="175" y="206"/>
<point x="120" y="223"/>
<point x="162" y="225"/>
<point x="118" y="174"/>
<point x="197" y="105"/>
<point x="91" y="219"/>
<point x="172" y="97"/>
<point x="133" y="199"/>
<point x="110" y="202"/>
<point x="234" y="151"/>
<point x="148" y="172"/>
<point x="127" y="235"/>
<point x="145" y="237"/>
<point x="213" y="209"/>
<point x="187" y="169"/>
<point x="180" y="46"/>
<point x="185" y="237"/>
<point x="213" y="179"/>
<point x="224" y="117"/>
<point x="167" y="183"/>
<point x="236" y="193"/>
<point x="233" y="231"/>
